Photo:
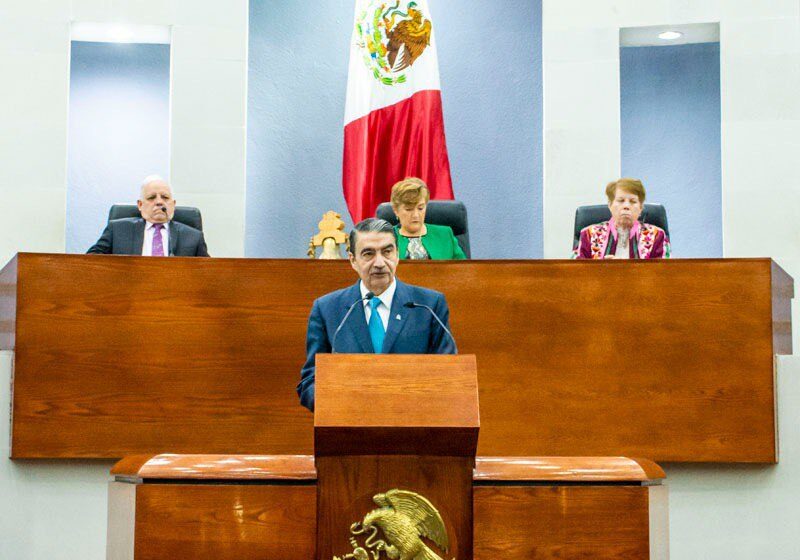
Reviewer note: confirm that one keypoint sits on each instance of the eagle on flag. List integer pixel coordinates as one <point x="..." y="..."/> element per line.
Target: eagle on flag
<point x="410" y="36"/>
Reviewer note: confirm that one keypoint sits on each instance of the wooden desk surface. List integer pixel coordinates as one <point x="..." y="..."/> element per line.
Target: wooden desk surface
<point x="670" y="360"/>
<point x="488" y="470"/>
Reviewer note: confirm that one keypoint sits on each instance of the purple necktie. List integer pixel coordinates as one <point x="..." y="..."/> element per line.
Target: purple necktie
<point x="158" y="242"/>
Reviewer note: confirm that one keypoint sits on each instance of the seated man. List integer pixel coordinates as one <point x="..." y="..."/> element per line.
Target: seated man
<point x="154" y="234"/>
<point x="377" y="314"/>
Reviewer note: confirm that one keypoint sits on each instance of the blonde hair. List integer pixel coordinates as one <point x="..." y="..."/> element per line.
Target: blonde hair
<point x="628" y="185"/>
<point x="409" y="191"/>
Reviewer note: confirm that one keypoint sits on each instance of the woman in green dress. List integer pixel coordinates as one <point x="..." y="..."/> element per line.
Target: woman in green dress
<point x="416" y="239"/>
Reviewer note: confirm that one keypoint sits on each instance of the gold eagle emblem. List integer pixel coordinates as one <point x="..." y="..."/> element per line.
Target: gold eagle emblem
<point x="390" y="39"/>
<point x="403" y="518"/>
<point x="408" y="39"/>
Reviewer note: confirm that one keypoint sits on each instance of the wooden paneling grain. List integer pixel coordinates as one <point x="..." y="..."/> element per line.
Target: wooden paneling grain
<point x="390" y="404"/>
<point x="558" y="522"/>
<point x="125" y="355"/>
<point x="671" y="360"/>
<point x="301" y="468"/>
<point x="216" y="467"/>
<point x="570" y="469"/>
<point x="395" y="422"/>
<point x="384" y="390"/>
<point x="225" y="522"/>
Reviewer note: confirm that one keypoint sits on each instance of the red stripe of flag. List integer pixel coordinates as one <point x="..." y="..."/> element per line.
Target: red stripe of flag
<point x="387" y="145"/>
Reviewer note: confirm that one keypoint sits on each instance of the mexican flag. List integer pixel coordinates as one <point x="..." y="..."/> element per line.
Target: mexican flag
<point x="393" y="117"/>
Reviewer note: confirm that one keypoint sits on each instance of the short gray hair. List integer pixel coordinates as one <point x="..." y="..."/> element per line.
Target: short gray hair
<point x="370" y="225"/>
<point x="152" y="179"/>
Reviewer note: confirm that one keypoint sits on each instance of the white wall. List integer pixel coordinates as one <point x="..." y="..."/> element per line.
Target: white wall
<point x="209" y="92"/>
<point x="742" y="512"/>
<point x="48" y="509"/>
<point x="34" y="72"/>
<point x="760" y="83"/>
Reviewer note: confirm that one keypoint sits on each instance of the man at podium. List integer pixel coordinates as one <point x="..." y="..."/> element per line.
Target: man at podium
<point x="379" y="313"/>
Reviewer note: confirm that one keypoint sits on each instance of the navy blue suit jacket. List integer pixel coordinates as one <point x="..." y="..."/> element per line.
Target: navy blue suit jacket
<point x="414" y="332"/>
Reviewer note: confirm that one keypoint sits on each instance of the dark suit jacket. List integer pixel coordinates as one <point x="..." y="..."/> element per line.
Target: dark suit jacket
<point x="415" y="332"/>
<point x="126" y="236"/>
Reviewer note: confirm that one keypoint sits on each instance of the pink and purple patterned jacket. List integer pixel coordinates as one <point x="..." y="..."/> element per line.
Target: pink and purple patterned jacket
<point x="598" y="240"/>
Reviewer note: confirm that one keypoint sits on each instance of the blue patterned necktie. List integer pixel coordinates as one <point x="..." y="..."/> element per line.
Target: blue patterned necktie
<point x="376" y="330"/>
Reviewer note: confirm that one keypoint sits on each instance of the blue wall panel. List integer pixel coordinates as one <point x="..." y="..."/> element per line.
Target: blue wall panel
<point x="671" y="138"/>
<point x="492" y="92"/>
<point x="118" y="131"/>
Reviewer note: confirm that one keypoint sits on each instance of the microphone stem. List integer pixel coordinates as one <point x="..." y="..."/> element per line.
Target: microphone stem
<point x="369" y="296"/>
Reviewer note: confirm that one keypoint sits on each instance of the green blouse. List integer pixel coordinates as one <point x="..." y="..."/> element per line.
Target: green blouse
<point x="439" y="242"/>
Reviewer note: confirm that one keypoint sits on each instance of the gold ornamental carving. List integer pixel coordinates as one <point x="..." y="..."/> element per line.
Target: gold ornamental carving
<point x="397" y="528"/>
<point x="331" y="238"/>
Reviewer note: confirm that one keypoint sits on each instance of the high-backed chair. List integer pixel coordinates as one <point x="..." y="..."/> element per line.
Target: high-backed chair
<point x="451" y="213"/>
<point x="186" y="215"/>
<point x="654" y="214"/>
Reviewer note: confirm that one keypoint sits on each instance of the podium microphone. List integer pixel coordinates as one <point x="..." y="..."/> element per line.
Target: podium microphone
<point x="412" y="305"/>
<point x="367" y="297"/>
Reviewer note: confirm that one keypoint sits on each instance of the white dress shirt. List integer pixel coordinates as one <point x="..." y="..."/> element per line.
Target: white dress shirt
<point x="149" y="231"/>
<point x="385" y="307"/>
<point x="623" y="244"/>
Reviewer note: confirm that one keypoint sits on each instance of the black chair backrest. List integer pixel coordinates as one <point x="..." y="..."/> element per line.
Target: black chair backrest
<point x="451" y="213"/>
<point x="187" y="215"/>
<point x="654" y="214"/>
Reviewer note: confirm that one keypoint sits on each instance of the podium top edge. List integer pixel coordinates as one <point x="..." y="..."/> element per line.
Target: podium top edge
<point x="301" y="468"/>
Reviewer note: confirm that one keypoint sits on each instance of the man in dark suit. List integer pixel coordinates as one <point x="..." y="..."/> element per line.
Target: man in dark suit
<point x="379" y="319"/>
<point x="154" y="234"/>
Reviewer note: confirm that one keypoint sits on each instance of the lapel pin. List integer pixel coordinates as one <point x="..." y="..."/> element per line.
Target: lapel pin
<point x="398" y="317"/>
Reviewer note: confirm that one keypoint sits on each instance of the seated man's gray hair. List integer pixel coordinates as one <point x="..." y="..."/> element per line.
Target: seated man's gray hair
<point x="151" y="179"/>
<point x="375" y="225"/>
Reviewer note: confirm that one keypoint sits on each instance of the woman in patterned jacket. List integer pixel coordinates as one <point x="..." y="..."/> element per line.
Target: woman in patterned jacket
<point x="623" y="236"/>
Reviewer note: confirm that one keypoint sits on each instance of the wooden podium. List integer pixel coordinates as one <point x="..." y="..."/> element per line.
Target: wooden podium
<point x="396" y="477"/>
<point x="257" y="507"/>
<point x="395" y="438"/>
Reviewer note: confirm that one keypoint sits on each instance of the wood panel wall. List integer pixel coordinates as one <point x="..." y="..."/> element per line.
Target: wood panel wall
<point x="224" y="522"/>
<point x="670" y="360"/>
<point x="555" y="522"/>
